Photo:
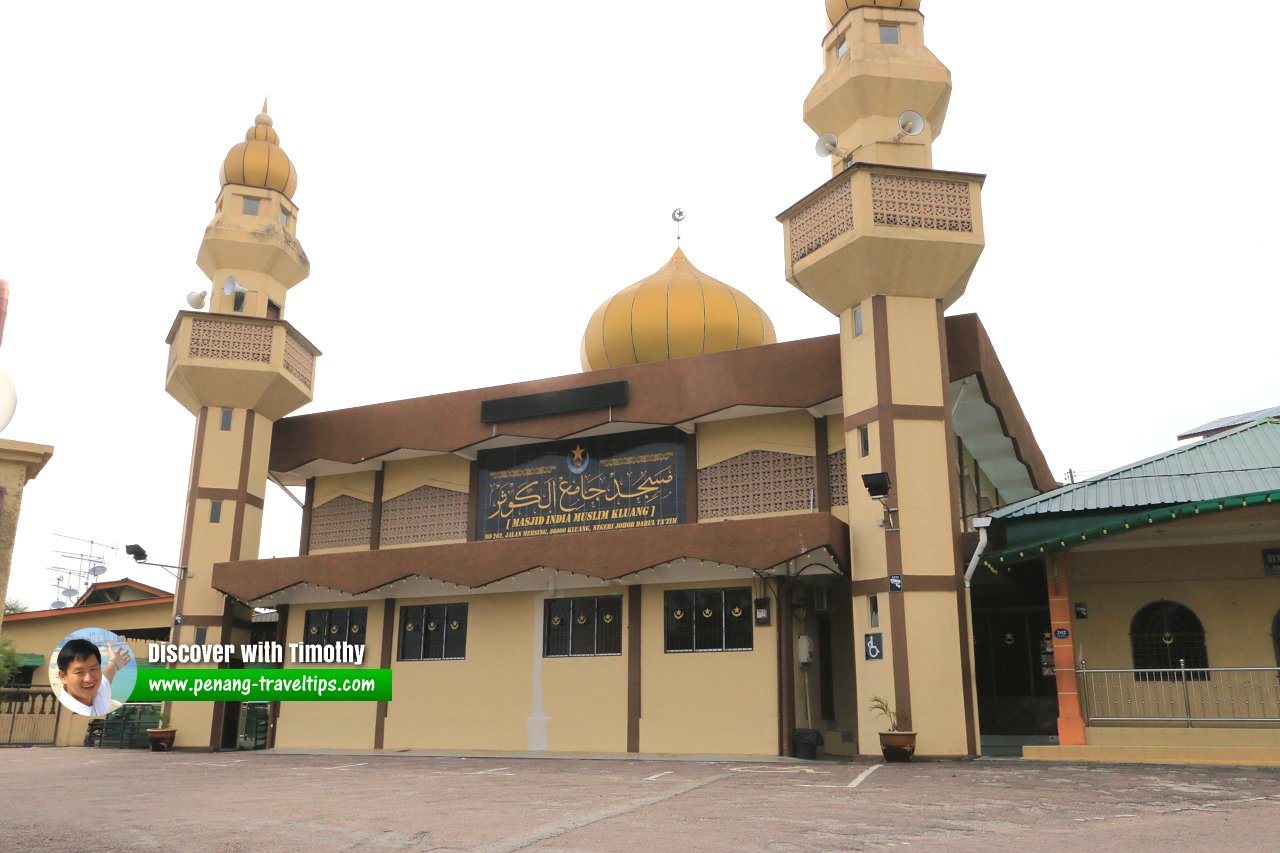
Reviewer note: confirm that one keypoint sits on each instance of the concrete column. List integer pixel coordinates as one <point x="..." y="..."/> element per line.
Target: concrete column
<point x="1070" y="720"/>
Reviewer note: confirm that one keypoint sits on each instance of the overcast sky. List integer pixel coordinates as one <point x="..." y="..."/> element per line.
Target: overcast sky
<point x="475" y="178"/>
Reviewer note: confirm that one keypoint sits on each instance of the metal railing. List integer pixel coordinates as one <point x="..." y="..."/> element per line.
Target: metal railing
<point x="1185" y="695"/>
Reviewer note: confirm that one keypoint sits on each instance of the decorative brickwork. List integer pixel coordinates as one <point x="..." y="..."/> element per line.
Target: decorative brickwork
<point x="427" y="514"/>
<point x="921" y="203"/>
<point x="234" y="340"/>
<point x="344" y="522"/>
<point x="298" y="360"/>
<point x="826" y="218"/>
<point x="838" y="464"/>
<point x="756" y="482"/>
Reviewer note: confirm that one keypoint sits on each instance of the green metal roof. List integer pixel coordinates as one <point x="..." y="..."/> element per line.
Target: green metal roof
<point x="1244" y="461"/>
<point x="25" y="659"/>
<point x="1089" y="528"/>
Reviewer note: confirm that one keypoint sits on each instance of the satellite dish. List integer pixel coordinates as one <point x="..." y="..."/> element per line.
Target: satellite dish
<point x="911" y="123"/>
<point x="8" y="399"/>
<point x="232" y="287"/>
<point x="58" y="605"/>
<point x="196" y="298"/>
<point x="828" y="145"/>
<point x="97" y="571"/>
<point x="70" y="591"/>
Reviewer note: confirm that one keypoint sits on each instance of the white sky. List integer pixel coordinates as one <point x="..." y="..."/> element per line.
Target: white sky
<point x="475" y="178"/>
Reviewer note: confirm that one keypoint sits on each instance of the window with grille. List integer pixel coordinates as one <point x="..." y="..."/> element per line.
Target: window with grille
<point x="1275" y="636"/>
<point x="1166" y="636"/>
<point x="708" y="620"/>
<point x="433" y="632"/>
<point x="330" y="627"/>
<point x="582" y="627"/>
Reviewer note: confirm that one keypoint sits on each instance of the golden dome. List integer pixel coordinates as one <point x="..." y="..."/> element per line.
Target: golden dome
<point x="259" y="161"/>
<point x="836" y="9"/>
<point x="678" y="311"/>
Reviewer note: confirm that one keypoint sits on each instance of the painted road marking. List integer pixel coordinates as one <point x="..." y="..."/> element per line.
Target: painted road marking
<point x="775" y="770"/>
<point x="494" y="770"/>
<point x="865" y="773"/>
<point x="344" y="766"/>
<point x="658" y="775"/>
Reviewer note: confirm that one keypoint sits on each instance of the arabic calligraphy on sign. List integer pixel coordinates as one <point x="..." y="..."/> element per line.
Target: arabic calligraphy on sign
<point x="607" y="483"/>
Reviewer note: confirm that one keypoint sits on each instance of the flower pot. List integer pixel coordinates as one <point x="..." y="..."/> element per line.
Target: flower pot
<point x="898" y="746"/>
<point x="161" y="740"/>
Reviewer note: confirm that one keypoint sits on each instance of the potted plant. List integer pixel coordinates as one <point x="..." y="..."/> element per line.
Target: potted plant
<point x="896" y="745"/>
<point x="161" y="737"/>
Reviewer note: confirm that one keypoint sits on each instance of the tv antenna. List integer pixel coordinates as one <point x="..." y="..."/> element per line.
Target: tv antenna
<point x="73" y="581"/>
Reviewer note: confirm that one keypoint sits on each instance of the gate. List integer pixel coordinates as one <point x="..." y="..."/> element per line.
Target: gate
<point x="28" y="716"/>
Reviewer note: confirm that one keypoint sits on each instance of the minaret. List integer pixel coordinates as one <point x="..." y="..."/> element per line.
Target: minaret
<point x="886" y="245"/>
<point x="238" y="367"/>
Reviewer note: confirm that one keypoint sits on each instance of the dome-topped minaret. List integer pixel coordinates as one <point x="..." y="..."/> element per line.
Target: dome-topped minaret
<point x="259" y="161"/>
<point x="676" y="312"/>
<point x="238" y="367"/>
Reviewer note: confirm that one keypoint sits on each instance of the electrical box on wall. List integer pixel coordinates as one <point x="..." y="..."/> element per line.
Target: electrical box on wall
<point x="762" y="611"/>
<point x="804" y="649"/>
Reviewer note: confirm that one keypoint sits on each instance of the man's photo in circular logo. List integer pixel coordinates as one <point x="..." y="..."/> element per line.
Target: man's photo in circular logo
<point x="92" y="671"/>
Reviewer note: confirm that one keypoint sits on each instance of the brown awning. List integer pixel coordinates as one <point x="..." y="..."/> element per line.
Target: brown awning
<point x="758" y="544"/>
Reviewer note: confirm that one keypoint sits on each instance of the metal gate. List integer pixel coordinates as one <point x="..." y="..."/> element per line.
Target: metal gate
<point x="28" y="716"/>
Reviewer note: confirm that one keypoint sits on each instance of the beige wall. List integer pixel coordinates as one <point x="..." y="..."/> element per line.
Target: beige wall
<point x="784" y="432"/>
<point x="707" y="702"/>
<point x="1223" y="584"/>
<point x="506" y="696"/>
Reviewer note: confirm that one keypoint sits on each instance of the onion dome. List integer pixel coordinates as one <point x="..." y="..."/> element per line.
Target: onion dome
<point x="836" y="9"/>
<point x="678" y="311"/>
<point x="259" y="161"/>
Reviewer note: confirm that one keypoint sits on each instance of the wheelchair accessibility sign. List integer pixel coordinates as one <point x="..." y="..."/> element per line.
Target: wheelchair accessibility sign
<point x="874" y="646"/>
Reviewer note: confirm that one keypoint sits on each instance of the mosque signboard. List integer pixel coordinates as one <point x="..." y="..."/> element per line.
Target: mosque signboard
<point x="611" y="482"/>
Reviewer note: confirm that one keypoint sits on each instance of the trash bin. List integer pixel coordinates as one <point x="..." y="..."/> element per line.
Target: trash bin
<point x="806" y="743"/>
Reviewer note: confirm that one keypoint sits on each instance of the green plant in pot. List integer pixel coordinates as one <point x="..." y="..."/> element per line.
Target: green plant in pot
<point x="895" y="744"/>
<point x="162" y="736"/>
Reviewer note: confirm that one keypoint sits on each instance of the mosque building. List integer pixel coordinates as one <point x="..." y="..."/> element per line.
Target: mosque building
<point x="671" y="552"/>
<point x="706" y="540"/>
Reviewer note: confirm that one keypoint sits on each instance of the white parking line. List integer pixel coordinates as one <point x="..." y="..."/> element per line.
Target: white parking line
<point x="344" y="766"/>
<point x="494" y="770"/>
<point x="658" y="775"/>
<point x="865" y="773"/>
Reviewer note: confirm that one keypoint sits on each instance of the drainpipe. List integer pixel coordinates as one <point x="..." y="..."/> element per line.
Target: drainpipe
<point x="981" y="524"/>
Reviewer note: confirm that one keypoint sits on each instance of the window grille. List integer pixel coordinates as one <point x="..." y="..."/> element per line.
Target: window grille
<point x="1165" y="636"/>
<point x="433" y="632"/>
<point x="708" y="620"/>
<point x="582" y="627"/>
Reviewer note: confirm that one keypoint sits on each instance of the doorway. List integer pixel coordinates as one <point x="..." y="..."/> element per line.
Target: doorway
<point x="1013" y="659"/>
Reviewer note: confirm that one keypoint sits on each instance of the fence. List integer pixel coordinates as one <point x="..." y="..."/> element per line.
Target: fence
<point x="1185" y="696"/>
<point x="28" y="715"/>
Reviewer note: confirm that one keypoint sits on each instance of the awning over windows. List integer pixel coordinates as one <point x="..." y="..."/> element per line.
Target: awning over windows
<point x="763" y="545"/>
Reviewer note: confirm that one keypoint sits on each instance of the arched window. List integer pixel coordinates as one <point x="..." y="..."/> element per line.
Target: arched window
<point x="1166" y="635"/>
<point x="1275" y="636"/>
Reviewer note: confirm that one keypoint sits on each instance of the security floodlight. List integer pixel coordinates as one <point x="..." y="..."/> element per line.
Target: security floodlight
<point x="136" y="552"/>
<point x="877" y="485"/>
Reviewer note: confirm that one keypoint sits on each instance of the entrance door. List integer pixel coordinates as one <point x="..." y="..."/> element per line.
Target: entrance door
<point x="1017" y="691"/>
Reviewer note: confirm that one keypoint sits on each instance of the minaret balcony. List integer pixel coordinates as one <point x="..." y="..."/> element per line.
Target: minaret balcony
<point x="239" y="362"/>
<point x="885" y="230"/>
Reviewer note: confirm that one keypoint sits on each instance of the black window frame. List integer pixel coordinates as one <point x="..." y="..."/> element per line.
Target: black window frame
<point x="1275" y="636"/>
<point x="449" y="619"/>
<point x="334" y="625"/>
<point x="569" y="637"/>
<point x="688" y="628"/>
<point x="1163" y="635"/>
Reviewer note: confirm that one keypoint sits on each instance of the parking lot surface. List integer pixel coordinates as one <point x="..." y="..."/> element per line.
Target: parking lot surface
<point x="97" y="799"/>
